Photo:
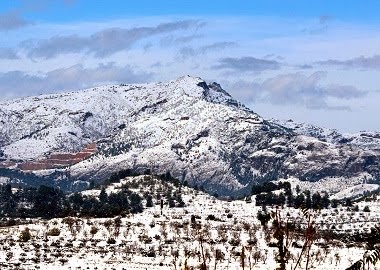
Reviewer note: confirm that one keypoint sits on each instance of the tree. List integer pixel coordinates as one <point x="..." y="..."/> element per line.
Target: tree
<point x="7" y="201"/>
<point x="316" y="201"/>
<point x="149" y="201"/>
<point x="171" y="202"/>
<point x="76" y="201"/>
<point x="308" y="199"/>
<point x="103" y="197"/>
<point x="263" y="217"/>
<point x="348" y="202"/>
<point x="93" y="231"/>
<point x="135" y="203"/>
<point x="48" y="202"/>
<point x="299" y="200"/>
<point x="281" y="231"/>
<point x="325" y="200"/>
<point x="310" y="235"/>
<point x="334" y="203"/>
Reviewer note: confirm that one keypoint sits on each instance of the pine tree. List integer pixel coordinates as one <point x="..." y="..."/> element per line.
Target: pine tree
<point x="103" y="197"/>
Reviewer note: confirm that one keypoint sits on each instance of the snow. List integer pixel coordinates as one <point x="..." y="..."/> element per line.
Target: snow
<point x="3" y="180"/>
<point x="77" y="248"/>
<point x="334" y="185"/>
<point x="369" y="140"/>
<point x="355" y="191"/>
<point x="196" y="131"/>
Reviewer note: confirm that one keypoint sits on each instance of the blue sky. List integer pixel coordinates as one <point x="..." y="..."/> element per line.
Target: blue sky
<point x="77" y="10"/>
<point x="312" y="61"/>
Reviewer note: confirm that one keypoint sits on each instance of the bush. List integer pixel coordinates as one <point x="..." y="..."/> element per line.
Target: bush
<point x="11" y="222"/>
<point x="25" y="235"/>
<point x="54" y="232"/>
<point x="149" y="201"/>
<point x="171" y="203"/>
<point x="111" y="241"/>
<point x="94" y="230"/>
<point x="210" y="217"/>
<point x="193" y="219"/>
<point x="151" y="252"/>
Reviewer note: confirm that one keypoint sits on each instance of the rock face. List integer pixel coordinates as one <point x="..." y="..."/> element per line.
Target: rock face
<point x="58" y="160"/>
<point x="194" y="130"/>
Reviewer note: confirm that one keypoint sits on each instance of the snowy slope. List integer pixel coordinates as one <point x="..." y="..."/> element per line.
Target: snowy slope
<point x="194" y="130"/>
<point x="355" y="191"/>
<point x="363" y="139"/>
<point x="86" y="245"/>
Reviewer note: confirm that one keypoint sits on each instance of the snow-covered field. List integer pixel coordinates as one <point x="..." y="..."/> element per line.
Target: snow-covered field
<point x="171" y="240"/>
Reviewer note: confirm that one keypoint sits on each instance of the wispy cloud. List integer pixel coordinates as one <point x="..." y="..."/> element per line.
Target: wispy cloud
<point x="361" y="62"/>
<point x="8" y="53"/>
<point x="324" y="19"/>
<point x="305" y="66"/>
<point x="171" y="40"/>
<point x="12" y="20"/>
<point x="297" y="89"/>
<point x="247" y="64"/>
<point x="308" y="91"/>
<point x="189" y="51"/>
<point x="320" y="26"/>
<point x="18" y="83"/>
<point x="103" y="43"/>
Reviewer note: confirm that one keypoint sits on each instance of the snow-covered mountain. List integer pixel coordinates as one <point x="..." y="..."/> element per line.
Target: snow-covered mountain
<point x="363" y="139"/>
<point x="194" y="130"/>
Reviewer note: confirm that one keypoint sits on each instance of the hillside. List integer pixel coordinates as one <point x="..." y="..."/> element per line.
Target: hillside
<point x="171" y="236"/>
<point x="364" y="139"/>
<point x="194" y="130"/>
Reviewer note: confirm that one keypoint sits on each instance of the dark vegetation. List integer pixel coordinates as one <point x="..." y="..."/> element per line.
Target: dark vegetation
<point x="57" y="178"/>
<point x="50" y="202"/>
<point x="265" y="195"/>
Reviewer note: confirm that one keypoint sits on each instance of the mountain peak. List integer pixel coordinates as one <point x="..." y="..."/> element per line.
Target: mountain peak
<point x="194" y="130"/>
<point x="198" y="88"/>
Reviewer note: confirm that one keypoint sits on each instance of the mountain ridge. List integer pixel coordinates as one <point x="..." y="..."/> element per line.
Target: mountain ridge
<point x="194" y="130"/>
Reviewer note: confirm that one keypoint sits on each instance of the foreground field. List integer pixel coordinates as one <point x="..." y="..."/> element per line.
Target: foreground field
<point x="219" y="234"/>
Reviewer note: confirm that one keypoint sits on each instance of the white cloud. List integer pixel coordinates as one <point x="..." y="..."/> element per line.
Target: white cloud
<point x="297" y="89"/>
<point x="17" y="83"/>
<point x="268" y="60"/>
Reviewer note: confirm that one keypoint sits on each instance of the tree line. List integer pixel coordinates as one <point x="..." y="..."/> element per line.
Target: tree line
<point x="51" y="202"/>
<point x="281" y="194"/>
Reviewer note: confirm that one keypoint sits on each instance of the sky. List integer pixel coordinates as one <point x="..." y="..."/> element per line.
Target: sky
<point x="311" y="61"/>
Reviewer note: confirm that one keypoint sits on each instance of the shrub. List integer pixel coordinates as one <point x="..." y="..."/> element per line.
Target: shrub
<point x="149" y="201"/>
<point x="171" y="203"/>
<point x="94" y="230"/>
<point x="111" y="241"/>
<point x="151" y="252"/>
<point x="210" y="217"/>
<point x="54" y="232"/>
<point x="25" y="235"/>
